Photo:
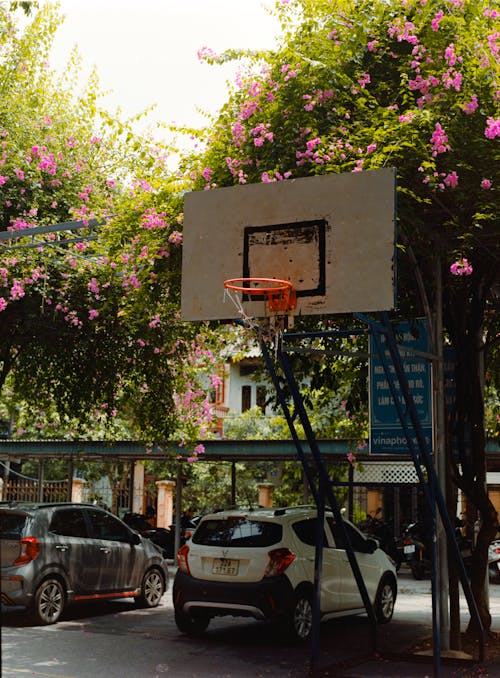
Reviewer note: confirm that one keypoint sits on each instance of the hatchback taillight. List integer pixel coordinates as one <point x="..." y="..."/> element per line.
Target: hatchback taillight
<point x="30" y="548"/>
<point x="279" y="561"/>
<point x="182" y="559"/>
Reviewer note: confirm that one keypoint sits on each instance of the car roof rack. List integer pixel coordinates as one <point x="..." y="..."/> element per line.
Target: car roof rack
<point x="282" y="511"/>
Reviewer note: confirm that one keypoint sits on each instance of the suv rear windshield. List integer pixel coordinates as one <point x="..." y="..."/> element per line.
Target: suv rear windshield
<point x="237" y="531"/>
<point x="11" y="524"/>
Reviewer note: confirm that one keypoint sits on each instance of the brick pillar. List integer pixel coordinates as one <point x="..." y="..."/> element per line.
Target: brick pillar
<point x="77" y="490"/>
<point x="165" y="505"/>
<point x="266" y="494"/>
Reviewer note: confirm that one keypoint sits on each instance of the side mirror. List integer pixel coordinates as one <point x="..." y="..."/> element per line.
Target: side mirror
<point x="135" y="538"/>
<point x="371" y="545"/>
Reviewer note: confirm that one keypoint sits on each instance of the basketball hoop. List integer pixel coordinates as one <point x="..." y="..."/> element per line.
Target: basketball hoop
<point x="279" y="294"/>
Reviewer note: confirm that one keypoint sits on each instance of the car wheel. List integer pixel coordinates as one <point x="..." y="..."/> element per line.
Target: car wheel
<point x="191" y="623"/>
<point x="384" y="602"/>
<point x="298" y="624"/>
<point x="48" y="603"/>
<point x="152" y="589"/>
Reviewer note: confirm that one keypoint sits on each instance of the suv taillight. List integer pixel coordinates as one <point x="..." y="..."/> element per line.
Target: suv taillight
<point x="182" y="559"/>
<point x="279" y="560"/>
<point x="30" y="548"/>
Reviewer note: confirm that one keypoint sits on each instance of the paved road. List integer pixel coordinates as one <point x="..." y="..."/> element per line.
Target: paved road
<point x="115" y="640"/>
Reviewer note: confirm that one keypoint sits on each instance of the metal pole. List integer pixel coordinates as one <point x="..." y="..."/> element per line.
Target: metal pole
<point x="233" y="483"/>
<point x="178" y="509"/>
<point x="440" y="458"/>
<point x="40" y="480"/>
<point x="70" y="479"/>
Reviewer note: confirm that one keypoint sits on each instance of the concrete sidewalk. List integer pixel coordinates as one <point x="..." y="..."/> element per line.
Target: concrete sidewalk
<point x="403" y="646"/>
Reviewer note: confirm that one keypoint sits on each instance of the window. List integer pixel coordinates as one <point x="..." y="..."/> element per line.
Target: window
<point x="246" y="398"/>
<point x="69" y="523"/>
<point x="306" y="531"/>
<point x="358" y="542"/>
<point x="12" y="524"/>
<point x="217" y="395"/>
<point x="261" y="398"/>
<point x="106" y="526"/>
<point x="237" y="531"/>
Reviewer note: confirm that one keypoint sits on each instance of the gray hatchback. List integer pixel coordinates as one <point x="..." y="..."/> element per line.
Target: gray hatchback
<point x="54" y="554"/>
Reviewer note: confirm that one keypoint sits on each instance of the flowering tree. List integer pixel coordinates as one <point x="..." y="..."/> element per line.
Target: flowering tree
<point x="357" y="85"/>
<point x="90" y="331"/>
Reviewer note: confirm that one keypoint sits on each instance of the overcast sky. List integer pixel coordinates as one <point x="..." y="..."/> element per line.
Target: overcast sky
<point x="146" y="50"/>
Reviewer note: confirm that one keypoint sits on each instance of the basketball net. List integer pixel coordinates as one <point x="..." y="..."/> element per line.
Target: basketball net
<point x="279" y="304"/>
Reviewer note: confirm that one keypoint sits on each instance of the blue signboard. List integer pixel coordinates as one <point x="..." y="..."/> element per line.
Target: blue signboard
<point x="386" y="432"/>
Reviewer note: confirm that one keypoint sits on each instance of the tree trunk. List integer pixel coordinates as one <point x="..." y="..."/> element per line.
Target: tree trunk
<point x="469" y="441"/>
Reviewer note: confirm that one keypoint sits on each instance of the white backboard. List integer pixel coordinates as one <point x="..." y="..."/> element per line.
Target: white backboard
<point x="332" y="236"/>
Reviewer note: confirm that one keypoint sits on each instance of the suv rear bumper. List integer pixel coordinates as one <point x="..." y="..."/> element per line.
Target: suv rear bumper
<point x="266" y="599"/>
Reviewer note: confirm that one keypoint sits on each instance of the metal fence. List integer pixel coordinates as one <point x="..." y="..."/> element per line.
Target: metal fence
<point x="119" y="500"/>
<point x="28" y="490"/>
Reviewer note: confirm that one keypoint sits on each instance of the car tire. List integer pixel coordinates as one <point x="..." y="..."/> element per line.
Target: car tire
<point x="384" y="601"/>
<point x="49" y="602"/>
<point x="191" y="623"/>
<point x="152" y="589"/>
<point x="297" y="626"/>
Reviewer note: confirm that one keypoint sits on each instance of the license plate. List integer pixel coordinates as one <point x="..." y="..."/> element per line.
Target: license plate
<point x="410" y="548"/>
<point x="225" y="566"/>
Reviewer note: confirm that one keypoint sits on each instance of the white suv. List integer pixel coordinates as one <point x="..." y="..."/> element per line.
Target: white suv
<point x="260" y="563"/>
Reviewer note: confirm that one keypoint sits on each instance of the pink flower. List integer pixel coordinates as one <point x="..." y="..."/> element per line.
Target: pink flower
<point x="439" y="141"/>
<point x="3" y="180"/>
<point x="266" y="179"/>
<point x="436" y="20"/>
<point x="206" y="54"/>
<point x="19" y="173"/>
<point x="17" y="291"/>
<point x="492" y="128"/>
<point x="461" y="267"/>
<point x="407" y="117"/>
<point x="364" y="80"/>
<point x="3" y="304"/>
<point x="215" y="380"/>
<point x="175" y="238"/>
<point x="93" y="286"/>
<point x="370" y="148"/>
<point x="451" y="180"/>
<point x="93" y="314"/>
<point x="486" y="184"/>
<point x="471" y="106"/>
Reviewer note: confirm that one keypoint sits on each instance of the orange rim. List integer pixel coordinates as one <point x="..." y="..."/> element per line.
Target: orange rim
<point x="280" y="297"/>
<point x="238" y="285"/>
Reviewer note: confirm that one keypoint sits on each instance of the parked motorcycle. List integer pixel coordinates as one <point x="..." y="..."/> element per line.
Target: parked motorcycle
<point x="494" y="562"/>
<point x="161" y="536"/>
<point x="417" y="552"/>
<point x="375" y="527"/>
